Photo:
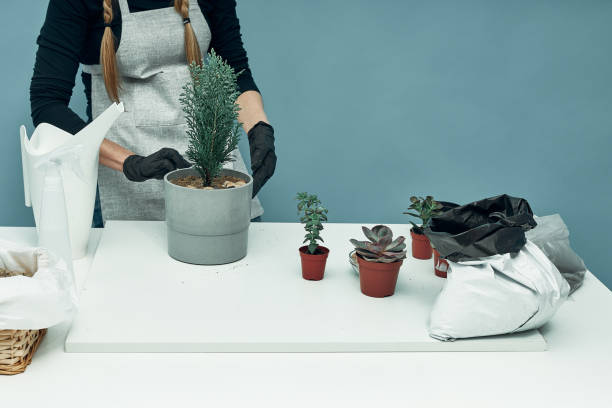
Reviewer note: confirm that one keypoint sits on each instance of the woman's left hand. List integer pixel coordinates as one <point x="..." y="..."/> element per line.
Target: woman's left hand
<point x="263" y="156"/>
<point x="154" y="166"/>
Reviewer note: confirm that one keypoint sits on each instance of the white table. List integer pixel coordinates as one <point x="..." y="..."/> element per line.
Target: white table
<point x="574" y="372"/>
<point x="138" y="299"/>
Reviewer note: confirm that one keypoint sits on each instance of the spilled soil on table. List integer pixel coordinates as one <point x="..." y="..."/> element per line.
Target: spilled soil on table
<point x="7" y="274"/>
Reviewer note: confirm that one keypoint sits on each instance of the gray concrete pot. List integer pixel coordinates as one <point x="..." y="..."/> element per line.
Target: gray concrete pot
<point x="207" y="227"/>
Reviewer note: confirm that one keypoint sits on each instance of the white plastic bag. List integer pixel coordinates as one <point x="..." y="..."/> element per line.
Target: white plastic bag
<point x="497" y="295"/>
<point x="552" y="237"/>
<point x="37" y="289"/>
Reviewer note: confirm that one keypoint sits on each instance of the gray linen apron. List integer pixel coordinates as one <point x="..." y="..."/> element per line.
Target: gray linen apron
<point x="153" y="69"/>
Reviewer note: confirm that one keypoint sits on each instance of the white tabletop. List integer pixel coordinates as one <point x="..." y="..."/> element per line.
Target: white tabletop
<point x="574" y="372"/>
<point x="139" y="299"/>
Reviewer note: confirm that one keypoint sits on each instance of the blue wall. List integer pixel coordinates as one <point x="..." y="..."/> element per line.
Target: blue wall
<point x="375" y="101"/>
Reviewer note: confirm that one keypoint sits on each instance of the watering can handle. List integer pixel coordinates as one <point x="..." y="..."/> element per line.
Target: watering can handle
<point x="24" y="165"/>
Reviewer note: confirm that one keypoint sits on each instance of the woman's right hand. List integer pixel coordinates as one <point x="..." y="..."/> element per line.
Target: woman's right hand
<point x="154" y="166"/>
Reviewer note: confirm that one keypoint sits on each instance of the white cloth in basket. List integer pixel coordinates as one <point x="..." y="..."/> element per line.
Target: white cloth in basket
<point x="37" y="289"/>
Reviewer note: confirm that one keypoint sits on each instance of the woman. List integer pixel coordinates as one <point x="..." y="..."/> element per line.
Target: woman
<point x="137" y="52"/>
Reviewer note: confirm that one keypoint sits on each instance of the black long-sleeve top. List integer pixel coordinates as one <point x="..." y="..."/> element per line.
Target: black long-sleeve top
<point x="72" y="33"/>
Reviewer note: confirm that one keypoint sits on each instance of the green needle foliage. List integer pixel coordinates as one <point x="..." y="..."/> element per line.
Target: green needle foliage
<point x="313" y="216"/>
<point x="425" y="209"/>
<point x="211" y="113"/>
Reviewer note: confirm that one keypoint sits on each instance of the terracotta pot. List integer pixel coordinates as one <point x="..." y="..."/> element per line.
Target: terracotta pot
<point x="421" y="248"/>
<point x="378" y="279"/>
<point x="440" y="265"/>
<point x="313" y="265"/>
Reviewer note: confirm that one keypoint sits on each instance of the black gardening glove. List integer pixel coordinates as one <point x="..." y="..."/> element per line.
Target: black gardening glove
<point x="154" y="166"/>
<point x="263" y="158"/>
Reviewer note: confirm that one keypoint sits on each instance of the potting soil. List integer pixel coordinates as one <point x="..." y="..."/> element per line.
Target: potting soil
<point x="196" y="182"/>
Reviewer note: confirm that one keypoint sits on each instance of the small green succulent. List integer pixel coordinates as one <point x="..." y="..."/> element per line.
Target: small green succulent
<point x="425" y="209"/>
<point x="381" y="247"/>
<point x="314" y="214"/>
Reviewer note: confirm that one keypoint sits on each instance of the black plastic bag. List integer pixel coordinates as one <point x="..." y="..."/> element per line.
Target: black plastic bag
<point x="483" y="228"/>
<point x="447" y="205"/>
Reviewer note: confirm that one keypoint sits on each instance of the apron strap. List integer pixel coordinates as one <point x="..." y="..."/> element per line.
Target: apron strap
<point x="92" y="69"/>
<point x="125" y="9"/>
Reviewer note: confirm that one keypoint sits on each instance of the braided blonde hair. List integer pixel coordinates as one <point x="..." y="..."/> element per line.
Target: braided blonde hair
<point x="108" y="57"/>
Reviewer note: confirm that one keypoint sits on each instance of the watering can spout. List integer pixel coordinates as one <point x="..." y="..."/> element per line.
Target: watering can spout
<point x="93" y="134"/>
<point x="79" y="171"/>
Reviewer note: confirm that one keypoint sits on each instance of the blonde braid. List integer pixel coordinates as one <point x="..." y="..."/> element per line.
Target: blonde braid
<point x="192" y="49"/>
<point x="108" y="59"/>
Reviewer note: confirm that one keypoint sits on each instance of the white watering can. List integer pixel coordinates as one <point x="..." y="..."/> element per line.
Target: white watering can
<point x="78" y="170"/>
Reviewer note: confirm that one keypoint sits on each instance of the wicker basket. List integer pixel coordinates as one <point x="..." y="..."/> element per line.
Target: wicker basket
<point x="17" y="347"/>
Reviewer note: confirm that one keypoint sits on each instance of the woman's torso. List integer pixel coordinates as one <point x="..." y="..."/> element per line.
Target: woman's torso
<point x="152" y="62"/>
<point x="72" y="33"/>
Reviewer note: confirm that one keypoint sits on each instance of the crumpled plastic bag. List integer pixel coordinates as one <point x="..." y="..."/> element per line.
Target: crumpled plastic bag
<point x="497" y="295"/>
<point x="37" y="289"/>
<point x="552" y="237"/>
<point x="492" y="226"/>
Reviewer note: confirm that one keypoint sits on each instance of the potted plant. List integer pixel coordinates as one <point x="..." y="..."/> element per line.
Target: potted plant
<point x="313" y="255"/>
<point x="208" y="208"/>
<point x="440" y="264"/>
<point x="423" y="208"/>
<point x="379" y="260"/>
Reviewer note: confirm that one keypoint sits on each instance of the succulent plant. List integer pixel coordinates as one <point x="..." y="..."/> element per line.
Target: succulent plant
<point x="381" y="247"/>
<point x="314" y="215"/>
<point x="425" y="209"/>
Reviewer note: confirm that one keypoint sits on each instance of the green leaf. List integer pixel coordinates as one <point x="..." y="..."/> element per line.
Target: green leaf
<point x="385" y="235"/>
<point x="396" y="243"/>
<point x="374" y="248"/>
<point x="371" y="235"/>
<point x="359" y="244"/>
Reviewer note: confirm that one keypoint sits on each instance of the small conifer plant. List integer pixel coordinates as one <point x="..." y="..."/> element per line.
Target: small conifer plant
<point x="211" y="113"/>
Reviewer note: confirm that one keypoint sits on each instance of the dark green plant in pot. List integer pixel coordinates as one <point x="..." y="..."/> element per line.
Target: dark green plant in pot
<point x="313" y="215"/>
<point x="423" y="208"/>
<point x="211" y="113"/>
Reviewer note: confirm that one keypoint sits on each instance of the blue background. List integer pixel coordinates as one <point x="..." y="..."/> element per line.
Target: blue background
<point x="375" y="101"/>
